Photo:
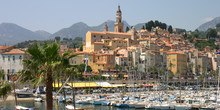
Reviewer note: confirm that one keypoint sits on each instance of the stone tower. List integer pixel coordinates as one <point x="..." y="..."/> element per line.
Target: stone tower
<point x="133" y="33"/>
<point x="106" y="28"/>
<point x="119" y="26"/>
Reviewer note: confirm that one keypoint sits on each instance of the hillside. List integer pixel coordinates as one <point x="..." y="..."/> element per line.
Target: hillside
<point x="210" y="24"/>
<point x="43" y="33"/>
<point x="11" y="34"/>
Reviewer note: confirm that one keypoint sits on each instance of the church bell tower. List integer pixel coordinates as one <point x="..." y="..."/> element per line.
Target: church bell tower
<point x="119" y="26"/>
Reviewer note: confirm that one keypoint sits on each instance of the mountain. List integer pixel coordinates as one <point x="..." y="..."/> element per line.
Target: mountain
<point x="80" y="29"/>
<point x="43" y="33"/>
<point x="76" y="30"/>
<point x="11" y="34"/>
<point x="210" y="24"/>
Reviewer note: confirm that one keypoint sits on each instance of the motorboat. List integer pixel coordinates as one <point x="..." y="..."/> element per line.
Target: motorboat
<point x="18" y="107"/>
<point x="38" y="99"/>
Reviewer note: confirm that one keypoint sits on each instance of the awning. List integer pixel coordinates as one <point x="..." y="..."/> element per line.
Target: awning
<point x="105" y="84"/>
<point x="125" y="76"/>
<point x="56" y="85"/>
<point x="83" y="84"/>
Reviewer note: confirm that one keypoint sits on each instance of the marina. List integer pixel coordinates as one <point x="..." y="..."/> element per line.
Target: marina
<point x="161" y="100"/>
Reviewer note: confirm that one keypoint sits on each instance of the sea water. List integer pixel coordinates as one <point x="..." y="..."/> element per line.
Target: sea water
<point x="10" y="105"/>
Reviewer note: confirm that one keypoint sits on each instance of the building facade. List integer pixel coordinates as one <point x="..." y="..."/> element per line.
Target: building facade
<point x="11" y="62"/>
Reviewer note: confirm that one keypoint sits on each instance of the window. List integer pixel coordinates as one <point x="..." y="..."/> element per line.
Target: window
<point x="8" y="71"/>
<point x="3" y="58"/>
<point x="101" y="37"/>
<point x="20" y="57"/>
<point x="75" y="62"/>
<point x="94" y="36"/>
<point x="13" y="58"/>
<point x="119" y="41"/>
<point x="8" y="58"/>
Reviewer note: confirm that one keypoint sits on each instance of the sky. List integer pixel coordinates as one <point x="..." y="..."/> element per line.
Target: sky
<point x="53" y="15"/>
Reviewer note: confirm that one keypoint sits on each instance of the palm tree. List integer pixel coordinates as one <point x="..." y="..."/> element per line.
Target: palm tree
<point x="117" y="67"/>
<point x="81" y="69"/>
<point x="198" y="69"/>
<point x="5" y="88"/>
<point x="136" y="72"/>
<point x="41" y="65"/>
<point x="154" y="71"/>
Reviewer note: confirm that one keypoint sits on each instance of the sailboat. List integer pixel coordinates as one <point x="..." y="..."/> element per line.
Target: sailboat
<point x="38" y="98"/>
<point x="18" y="107"/>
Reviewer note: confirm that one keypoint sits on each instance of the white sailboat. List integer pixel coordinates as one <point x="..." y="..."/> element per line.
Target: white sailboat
<point x="38" y="98"/>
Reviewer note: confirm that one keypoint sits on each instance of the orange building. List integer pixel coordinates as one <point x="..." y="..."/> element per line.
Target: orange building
<point x="101" y="61"/>
<point x="176" y="62"/>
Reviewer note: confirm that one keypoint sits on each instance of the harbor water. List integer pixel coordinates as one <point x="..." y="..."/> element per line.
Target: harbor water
<point x="10" y="105"/>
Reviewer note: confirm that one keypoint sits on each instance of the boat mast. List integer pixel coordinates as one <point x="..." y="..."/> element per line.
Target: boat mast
<point x="218" y="85"/>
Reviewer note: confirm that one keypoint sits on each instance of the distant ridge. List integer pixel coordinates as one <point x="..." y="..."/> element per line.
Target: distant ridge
<point x="11" y="34"/>
<point x="80" y="29"/>
<point x="210" y="24"/>
<point x="43" y="33"/>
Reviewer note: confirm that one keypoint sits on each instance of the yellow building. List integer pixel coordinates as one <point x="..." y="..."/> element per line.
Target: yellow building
<point x="176" y="62"/>
<point x="95" y="41"/>
<point x="79" y="59"/>
<point x="101" y="61"/>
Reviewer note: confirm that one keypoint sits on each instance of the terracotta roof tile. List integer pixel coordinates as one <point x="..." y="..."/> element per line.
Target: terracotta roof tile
<point x="175" y="53"/>
<point x="5" y="47"/>
<point x="14" y="51"/>
<point x="120" y="33"/>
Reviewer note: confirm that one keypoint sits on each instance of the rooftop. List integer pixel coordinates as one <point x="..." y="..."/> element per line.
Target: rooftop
<point x="14" y="51"/>
<point x="116" y="33"/>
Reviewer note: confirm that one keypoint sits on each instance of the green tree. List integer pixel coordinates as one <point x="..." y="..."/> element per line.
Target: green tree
<point x="81" y="48"/>
<point x="5" y="88"/>
<point x="127" y="29"/>
<point x="170" y="29"/>
<point x="41" y="64"/>
<point x="81" y="69"/>
<point x="218" y="25"/>
<point x="57" y="38"/>
<point x="212" y="33"/>
<point x="185" y="35"/>
<point x="198" y="67"/>
<point x="195" y="35"/>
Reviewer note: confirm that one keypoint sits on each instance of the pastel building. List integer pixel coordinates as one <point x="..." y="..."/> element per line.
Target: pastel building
<point x="11" y="62"/>
<point x="95" y="41"/>
<point x="176" y="62"/>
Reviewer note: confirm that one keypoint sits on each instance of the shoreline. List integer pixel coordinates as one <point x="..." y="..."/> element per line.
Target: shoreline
<point x="12" y="98"/>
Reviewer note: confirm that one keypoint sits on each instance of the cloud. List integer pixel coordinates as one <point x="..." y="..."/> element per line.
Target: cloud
<point x="207" y="19"/>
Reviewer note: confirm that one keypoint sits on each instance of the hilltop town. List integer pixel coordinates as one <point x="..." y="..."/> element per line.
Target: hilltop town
<point x="135" y="53"/>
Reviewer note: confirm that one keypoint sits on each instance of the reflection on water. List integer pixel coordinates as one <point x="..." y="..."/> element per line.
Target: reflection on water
<point x="58" y="106"/>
